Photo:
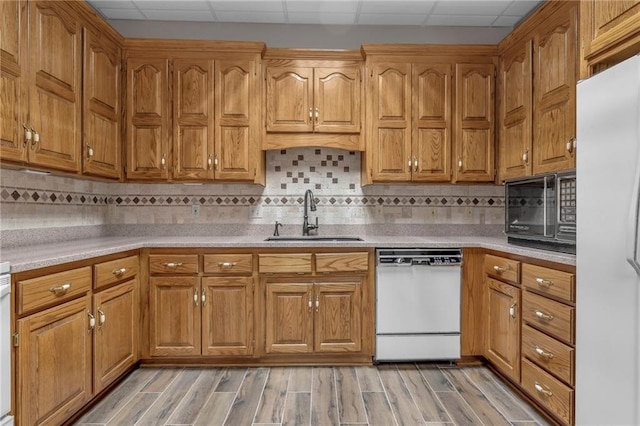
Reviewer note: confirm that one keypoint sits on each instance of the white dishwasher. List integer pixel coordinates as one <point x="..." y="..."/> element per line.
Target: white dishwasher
<point x="418" y="304"/>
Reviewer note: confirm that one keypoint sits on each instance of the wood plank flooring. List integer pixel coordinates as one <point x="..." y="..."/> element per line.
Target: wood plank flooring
<point x="386" y="394"/>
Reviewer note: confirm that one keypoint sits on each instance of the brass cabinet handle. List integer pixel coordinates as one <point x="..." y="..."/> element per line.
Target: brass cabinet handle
<point x="195" y="297"/>
<point x="525" y="156"/>
<point x="92" y="321"/>
<point x="542" y="353"/>
<point x="203" y="298"/>
<point x="61" y="288"/>
<point x="163" y="161"/>
<point x="542" y="390"/>
<point x="36" y="138"/>
<point x="102" y="318"/>
<point x="415" y="164"/>
<point x="309" y="302"/>
<point x="542" y="315"/>
<point x="543" y="282"/>
<point x="172" y="264"/>
<point x="28" y="134"/>
<point x="215" y="161"/>
<point x="118" y="272"/>
<point x="317" y="302"/>
<point x="209" y="163"/>
<point x="89" y="151"/>
<point x="227" y="265"/>
<point x="409" y="163"/>
<point x="459" y="163"/>
<point x="512" y="310"/>
<point x="571" y="144"/>
<point x="317" y="114"/>
<point x="311" y="113"/>
<point x="500" y="269"/>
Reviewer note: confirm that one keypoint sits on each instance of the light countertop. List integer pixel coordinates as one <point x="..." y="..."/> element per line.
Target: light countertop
<point x="39" y="256"/>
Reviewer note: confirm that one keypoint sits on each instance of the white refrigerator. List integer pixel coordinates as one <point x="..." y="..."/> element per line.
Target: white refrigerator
<point x="608" y="284"/>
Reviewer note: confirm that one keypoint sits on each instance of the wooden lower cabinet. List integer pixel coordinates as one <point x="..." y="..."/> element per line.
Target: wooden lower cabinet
<point x="53" y="365"/>
<point x="503" y="327"/>
<point x="116" y="336"/>
<point x="313" y="317"/>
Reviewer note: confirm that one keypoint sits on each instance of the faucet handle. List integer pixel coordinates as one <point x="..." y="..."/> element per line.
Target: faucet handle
<point x="316" y="226"/>
<point x="276" y="233"/>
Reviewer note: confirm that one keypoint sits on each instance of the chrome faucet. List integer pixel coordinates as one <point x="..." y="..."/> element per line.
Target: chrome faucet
<point x="309" y="204"/>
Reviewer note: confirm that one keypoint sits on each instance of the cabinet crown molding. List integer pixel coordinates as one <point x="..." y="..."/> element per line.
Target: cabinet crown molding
<point x="193" y="46"/>
<point x="314" y="54"/>
<point x="430" y="49"/>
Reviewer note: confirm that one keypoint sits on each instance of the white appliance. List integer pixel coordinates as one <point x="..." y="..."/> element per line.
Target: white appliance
<point x="608" y="284"/>
<point x="5" y="345"/>
<point x="418" y="304"/>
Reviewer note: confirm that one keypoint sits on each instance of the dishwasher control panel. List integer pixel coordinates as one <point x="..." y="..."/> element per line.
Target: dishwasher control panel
<point x="419" y="257"/>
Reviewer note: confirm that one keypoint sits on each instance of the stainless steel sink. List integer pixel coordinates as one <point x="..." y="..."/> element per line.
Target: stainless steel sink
<point x="314" y="238"/>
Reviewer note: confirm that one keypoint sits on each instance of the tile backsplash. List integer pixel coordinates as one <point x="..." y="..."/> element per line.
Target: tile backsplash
<point x="34" y="201"/>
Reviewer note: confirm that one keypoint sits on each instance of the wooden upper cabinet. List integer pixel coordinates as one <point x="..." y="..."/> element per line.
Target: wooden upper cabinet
<point x="554" y="93"/>
<point x="474" y="123"/>
<point x="337" y="93"/>
<point x="54" y="73"/>
<point x="147" y="125"/>
<point x="431" y="133"/>
<point x="610" y="33"/>
<point x="13" y="71"/>
<point x="193" y="119"/>
<point x="516" y="128"/>
<point x="102" y="141"/>
<point x="237" y="114"/>
<point x="289" y="99"/>
<point x="389" y="140"/>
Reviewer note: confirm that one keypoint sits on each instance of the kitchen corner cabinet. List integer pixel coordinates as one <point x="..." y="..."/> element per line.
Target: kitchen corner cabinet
<point x="192" y="119"/>
<point x="102" y="107"/>
<point x="41" y="85"/>
<point x="610" y="33"/>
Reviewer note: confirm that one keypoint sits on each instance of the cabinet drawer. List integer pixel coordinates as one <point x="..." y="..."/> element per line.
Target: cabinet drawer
<point x="173" y="264"/>
<point x="284" y="263"/>
<point x="549" y="281"/>
<point x="504" y="269"/>
<point x="228" y="264"/>
<point x="549" y="354"/>
<point x="552" y="317"/>
<point x="341" y="262"/>
<point x="115" y="270"/>
<point x="42" y="291"/>
<point x="548" y="391"/>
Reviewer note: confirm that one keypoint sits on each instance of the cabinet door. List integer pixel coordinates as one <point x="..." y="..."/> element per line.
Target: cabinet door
<point x="515" y="112"/>
<point x="147" y="126"/>
<point x="503" y="327"/>
<point x="431" y="133"/>
<point x="237" y="112"/>
<point x="55" y="72"/>
<point x="227" y="316"/>
<point x="474" y="122"/>
<point x="289" y="318"/>
<point x="102" y="141"/>
<point x="390" y="121"/>
<point x="337" y="320"/>
<point x="289" y="99"/>
<point x="554" y="90"/>
<point x="193" y="119"/>
<point x="13" y="57"/>
<point x="337" y="93"/>
<point x="53" y="364"/>
<point x="174" y="310"/>
<point x="116" y="337"/>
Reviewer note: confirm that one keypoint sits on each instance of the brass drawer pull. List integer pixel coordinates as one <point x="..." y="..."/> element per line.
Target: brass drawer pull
<point x="118" y="272"/>
<point x="102" y="318"/>
<point x="542" y="315"/>
<point x="542" y="390"/>
<point x="60" y="289"/>
<point x="543" y="282"/>
<point x="500" y="269"/>
<point x="227" y="265"/>
<point x="544" y="354"/>
<point x="172" y="264"/>
<point x="512" y="310"/>
<point x="92" y="321"/>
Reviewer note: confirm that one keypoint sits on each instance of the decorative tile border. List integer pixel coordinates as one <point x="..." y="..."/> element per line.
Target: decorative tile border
<point x="39" y="196"/>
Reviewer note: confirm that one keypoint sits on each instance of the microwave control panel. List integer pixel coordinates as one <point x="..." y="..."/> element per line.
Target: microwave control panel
<point x="567" y="200"/>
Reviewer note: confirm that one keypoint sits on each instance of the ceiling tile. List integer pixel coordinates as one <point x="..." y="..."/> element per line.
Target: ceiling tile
<point x="112" y="4"/>
<point x="506" y="21"/>
<point x="460" y="20"/>
<point x="521" y="7"/>
<point x="172" y="5"/>
<point x="122" y="13"/>
<point x="390" y="19"/>
<point x="474" y="8"/>
<point x="248" y="6"/>
<point x="396" y="7"/>
<point x="182" y="15"/>
<point x="322" y="18"/>
<point x="256" y="17"/>
<point x="331" y="6"/>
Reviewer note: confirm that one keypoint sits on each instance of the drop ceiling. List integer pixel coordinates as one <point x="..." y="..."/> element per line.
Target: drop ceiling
<point x="497" y="13"/>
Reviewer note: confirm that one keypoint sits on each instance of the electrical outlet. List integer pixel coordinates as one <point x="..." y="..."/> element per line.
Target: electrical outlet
<point x="195" y="210"/>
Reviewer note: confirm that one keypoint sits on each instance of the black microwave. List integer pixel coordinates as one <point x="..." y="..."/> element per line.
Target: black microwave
<point x="540" y="211"/>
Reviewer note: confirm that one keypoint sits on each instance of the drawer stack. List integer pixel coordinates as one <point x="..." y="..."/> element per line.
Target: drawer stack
<point x="548" y="339"/>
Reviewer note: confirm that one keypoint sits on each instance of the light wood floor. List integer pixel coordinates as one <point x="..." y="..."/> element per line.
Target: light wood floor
<point x="387" y="394"/>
